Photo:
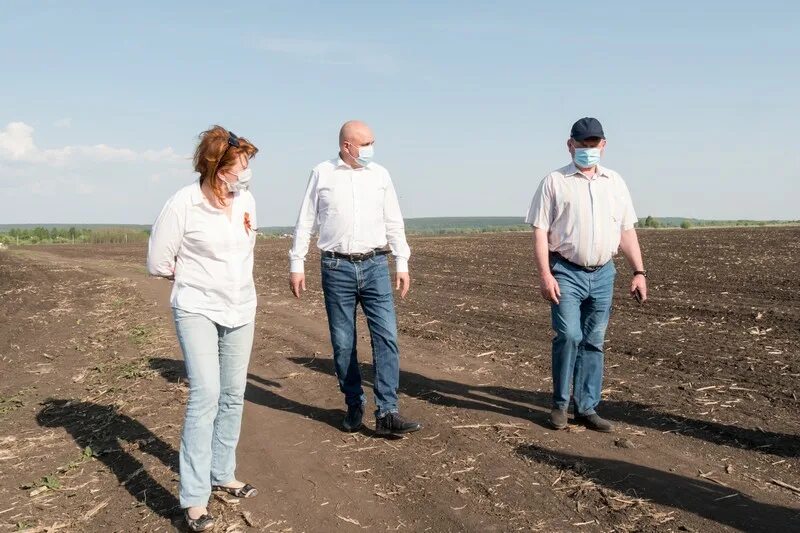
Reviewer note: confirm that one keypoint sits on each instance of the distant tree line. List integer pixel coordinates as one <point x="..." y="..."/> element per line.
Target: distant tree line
<point x="42" y="235"/>
<point x="686" y="223"/>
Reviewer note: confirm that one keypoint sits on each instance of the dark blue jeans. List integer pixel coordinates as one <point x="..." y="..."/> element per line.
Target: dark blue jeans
<point x="347" y="284"/>
<point x="580" y="319"/>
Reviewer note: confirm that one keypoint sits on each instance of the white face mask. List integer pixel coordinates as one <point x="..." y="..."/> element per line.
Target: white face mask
<point x="365" y="155"/>
<point x="243" y="183"/>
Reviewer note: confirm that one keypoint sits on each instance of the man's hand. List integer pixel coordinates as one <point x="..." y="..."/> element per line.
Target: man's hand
<point x="549" y="288"/>
<point x="402" y="282"/>
<point x="639" y="283"/>
<point x="297" y="282"/>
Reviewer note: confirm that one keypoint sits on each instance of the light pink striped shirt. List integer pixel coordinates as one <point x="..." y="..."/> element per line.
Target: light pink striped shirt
<point x="584" y="217"/>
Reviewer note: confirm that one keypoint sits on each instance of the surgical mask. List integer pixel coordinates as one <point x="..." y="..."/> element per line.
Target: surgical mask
<point x="365" y="155"/>
<point x="586" y="157"/>
<point x="244" y="181"/>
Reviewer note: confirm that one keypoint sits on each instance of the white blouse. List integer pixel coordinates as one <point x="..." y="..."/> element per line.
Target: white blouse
<point x="210" y="255"/>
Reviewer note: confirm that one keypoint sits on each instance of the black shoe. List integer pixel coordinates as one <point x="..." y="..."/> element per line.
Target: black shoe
<point x="594" y="422"/>
<point x="393" y="424"/>
<point x="354" y="419"/>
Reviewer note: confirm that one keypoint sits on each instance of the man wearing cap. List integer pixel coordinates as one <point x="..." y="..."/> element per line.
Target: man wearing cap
<point x="352" y="202"/>
<point x="582" y="215"/>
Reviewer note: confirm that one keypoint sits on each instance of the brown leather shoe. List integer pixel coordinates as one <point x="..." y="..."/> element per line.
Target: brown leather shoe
<point x="558" y="418"/>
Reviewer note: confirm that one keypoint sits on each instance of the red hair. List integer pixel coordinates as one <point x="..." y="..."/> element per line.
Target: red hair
<point x="214" y="154"/>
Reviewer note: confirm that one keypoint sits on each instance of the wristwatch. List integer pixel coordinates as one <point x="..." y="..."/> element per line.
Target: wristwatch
<point x="642" y="272"/>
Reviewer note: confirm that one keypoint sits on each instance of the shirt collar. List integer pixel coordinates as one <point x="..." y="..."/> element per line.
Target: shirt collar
<point x="571" y="170"/>
<point x="341" y="164"/>
<point x="198" y="197"/>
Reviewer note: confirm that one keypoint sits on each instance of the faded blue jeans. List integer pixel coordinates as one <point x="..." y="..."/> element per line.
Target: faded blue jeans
<point x="347" y="284"/>
<point x="216" y="360"/>
<point x="580" y="319"/>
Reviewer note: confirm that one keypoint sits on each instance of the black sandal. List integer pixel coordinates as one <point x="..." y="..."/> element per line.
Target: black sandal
<point x="246" y="491"/>
<point x="199" y="524"/>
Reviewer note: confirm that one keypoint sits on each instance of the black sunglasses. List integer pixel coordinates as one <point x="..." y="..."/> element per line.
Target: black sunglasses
<point x="233" y="140"/>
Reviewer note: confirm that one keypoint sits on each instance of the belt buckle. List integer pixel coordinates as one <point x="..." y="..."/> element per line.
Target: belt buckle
<point x="358" y="258"/>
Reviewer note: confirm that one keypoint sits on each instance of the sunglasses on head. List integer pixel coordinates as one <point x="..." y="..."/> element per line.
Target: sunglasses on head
<point x="233" y="140"/>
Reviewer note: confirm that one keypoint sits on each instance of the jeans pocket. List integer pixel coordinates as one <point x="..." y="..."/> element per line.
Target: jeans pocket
<point x="379" y="259"/>
<point x="330" y="263"/>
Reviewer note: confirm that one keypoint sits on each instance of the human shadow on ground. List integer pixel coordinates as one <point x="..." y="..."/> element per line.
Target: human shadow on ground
<point x="708" y="500"/>
<point x="535" y="407"/>
<point x="260" y="391"/>
<point x="104" y="429"/>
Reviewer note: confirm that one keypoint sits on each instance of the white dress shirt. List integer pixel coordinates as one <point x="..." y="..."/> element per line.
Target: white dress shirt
<point x="210" y="255"/>
<point x="583" y="216"/>
<point x="355" y="211"/>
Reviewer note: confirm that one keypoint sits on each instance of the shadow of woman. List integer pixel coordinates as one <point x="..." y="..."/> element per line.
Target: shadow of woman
<point x="711" y="501"/>
<point x="103" y="429"/>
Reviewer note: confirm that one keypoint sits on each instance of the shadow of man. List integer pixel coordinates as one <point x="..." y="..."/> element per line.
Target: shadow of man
<point x="259" y="391"/>
<point x="104" y="429"/>
<point x="534" y="406"/>
<point x="700" y="497"/>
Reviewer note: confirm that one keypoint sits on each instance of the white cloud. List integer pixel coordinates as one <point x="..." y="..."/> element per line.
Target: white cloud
<point x="299" y="47"/>
<point x="364" y="56"/>
<point x="17" y="144"/>
<point x="16" y="141"/>
<point x="84" y="188"/>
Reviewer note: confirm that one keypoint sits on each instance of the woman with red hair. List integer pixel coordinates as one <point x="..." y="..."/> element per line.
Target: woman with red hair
<point x="203" y="240"/>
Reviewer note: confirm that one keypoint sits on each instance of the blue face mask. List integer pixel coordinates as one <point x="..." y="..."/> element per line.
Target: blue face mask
<point x="365" y="155"/>
<point x="586" y="157"/>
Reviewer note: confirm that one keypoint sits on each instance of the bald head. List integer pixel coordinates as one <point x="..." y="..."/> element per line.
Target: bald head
<point x="352" y="137"/>
<point x="354" y="131"/>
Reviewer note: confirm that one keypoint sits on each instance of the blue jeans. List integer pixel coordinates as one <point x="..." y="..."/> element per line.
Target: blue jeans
<point x="216" y="360"/>
<point x="347" y="284"/>
<point x="580" y="319"/>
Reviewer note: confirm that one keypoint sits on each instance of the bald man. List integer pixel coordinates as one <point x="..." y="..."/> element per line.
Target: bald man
<point x="351" y="201"/>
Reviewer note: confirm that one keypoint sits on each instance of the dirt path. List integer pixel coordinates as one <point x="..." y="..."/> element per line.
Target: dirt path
<point x="486" y="460"/>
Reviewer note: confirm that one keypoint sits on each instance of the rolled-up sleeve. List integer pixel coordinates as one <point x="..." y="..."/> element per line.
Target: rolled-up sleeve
<point x="304" y="228"/>
<point x="541" y="209"/>
<point x="165" y="240"/>
<point x="395" y="227"/>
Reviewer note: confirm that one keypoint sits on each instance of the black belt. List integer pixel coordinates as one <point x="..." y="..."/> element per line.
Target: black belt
<point x="356" y="258"/>
<point x="559" y="257"/>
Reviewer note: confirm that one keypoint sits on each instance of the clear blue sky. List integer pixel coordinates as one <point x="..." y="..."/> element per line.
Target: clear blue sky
<point x="471" y="102"/>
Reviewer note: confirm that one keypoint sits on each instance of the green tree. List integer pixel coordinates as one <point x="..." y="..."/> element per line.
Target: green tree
<point x="651" y="222"/>
<point x="686" y="224"/>
<point x="41" y="233"/>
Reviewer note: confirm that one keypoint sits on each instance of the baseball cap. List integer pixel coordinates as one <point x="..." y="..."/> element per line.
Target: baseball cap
<point x="585" y="128"/>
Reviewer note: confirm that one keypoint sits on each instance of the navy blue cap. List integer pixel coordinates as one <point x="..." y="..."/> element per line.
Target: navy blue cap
<point x="585" y="128"/>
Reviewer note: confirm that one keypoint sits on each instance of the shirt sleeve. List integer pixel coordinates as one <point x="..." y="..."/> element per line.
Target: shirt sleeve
<point x="253" y="215"/>
<point x="306" y="223"/>
<point x="540" y="212"/>
<point x="165" y="240"/>
<point x="395" y="227"/>
<point x="629" y="218"/>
